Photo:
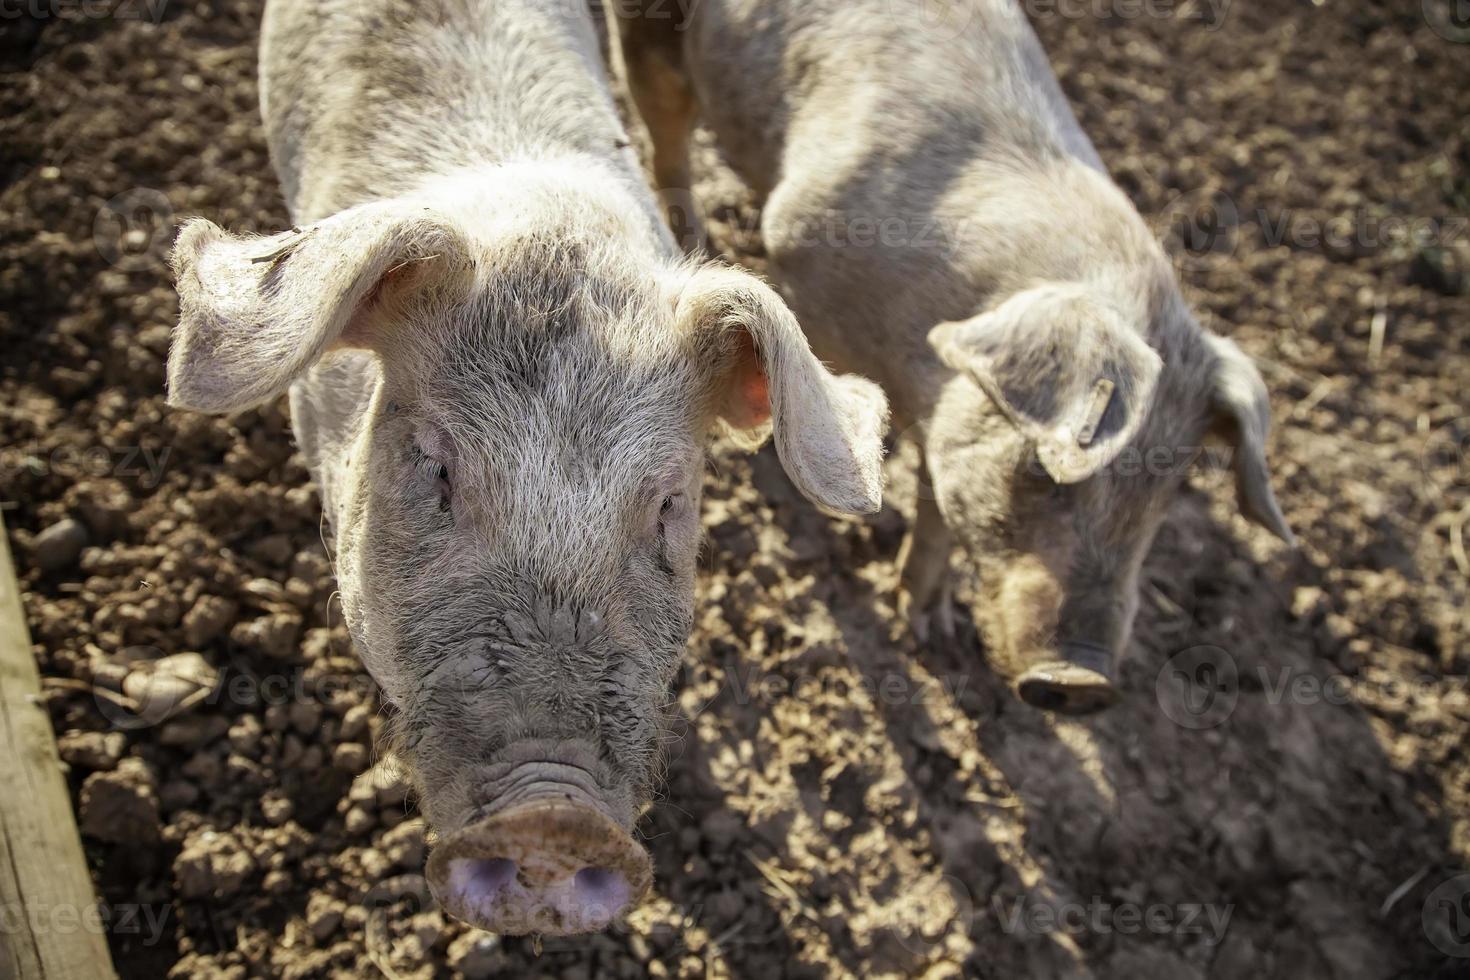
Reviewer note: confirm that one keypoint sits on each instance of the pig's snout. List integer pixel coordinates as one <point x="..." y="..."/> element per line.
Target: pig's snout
<point x="553" y="865"/>
<point x="1078" y="681"/>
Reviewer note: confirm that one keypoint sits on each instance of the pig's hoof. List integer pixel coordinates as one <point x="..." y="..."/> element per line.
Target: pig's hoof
<point x="1066" y="688"/>
<point x="554" y="867"/>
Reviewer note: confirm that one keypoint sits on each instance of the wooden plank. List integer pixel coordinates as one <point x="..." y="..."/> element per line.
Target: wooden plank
<point x="50" y="927"/>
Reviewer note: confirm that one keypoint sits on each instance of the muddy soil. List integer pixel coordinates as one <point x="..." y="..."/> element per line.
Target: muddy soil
<point x="840" y="800"/>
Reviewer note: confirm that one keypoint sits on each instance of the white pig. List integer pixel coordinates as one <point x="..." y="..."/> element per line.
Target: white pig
<point x="939" y="222"/>
<point x="503" y="376"/>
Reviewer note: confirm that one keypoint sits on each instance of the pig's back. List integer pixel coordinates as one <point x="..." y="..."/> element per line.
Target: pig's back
<point x="869" y="85"/>
<point x="363" y="98"/>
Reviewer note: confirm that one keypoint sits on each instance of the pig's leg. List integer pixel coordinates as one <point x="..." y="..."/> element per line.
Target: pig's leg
<point x="925" y="586"/>
<point x="665" y="98"/>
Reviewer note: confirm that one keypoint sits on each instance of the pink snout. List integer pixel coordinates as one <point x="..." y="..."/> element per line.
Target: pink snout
<point x="554" y="867"/>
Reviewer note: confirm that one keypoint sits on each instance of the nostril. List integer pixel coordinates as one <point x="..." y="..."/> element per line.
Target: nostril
<point x="601" y="888"/>
<point x="478" y="881"/>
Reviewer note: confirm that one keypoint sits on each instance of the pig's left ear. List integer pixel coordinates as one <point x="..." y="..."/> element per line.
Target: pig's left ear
<point x="255" y="313"/>
<point x="1242" y="414"/>
<point x="1064" y="367"/>
<point x="828" y="428"/>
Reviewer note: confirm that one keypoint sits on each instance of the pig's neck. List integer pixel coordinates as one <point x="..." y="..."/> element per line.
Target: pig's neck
<point x="1000" y="227"/>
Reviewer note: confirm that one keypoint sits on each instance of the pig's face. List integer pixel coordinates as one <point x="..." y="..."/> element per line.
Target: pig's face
<point x="517" y="509"/>
<point x="519" y="526"/>
<point x="1054" y="454"/>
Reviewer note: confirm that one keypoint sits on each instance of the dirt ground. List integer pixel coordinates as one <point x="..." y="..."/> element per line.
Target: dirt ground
<point x="840" y="801"/>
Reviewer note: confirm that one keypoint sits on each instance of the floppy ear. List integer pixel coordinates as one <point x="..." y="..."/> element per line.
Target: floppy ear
<point x="829" y="429"/>
<point x="255" y="313"/>
<point x="1242" y="414"/>
<point x="1065" y="369"/>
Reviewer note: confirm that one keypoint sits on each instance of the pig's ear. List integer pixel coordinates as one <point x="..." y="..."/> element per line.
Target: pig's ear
<point x="828" y="428"/>
<point x="255" y="313"/>
<point x="1242" y="414"/>
<point x="1064" y="367"/>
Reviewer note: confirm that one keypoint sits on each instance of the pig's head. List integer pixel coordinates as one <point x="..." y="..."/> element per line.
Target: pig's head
<point x="1054" y="453"/>
<point x="516" y="502"/>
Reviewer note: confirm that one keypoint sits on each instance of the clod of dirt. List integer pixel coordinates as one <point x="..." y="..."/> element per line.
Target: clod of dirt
<point x="355" y="722"/>
<point x="92" y="750"/>
<point x="323" y="915"/>
<point x="210" y="616"/>
<point x="170" y="685"/>
<point x="212" y="863"/>
<point x="350" y="756"/>
<point x="121" y="806"/>
<point x="274" y="635"/>
<point x="359" y="821"/>
<point x="404" y="844"/>
<point x="59" y="546"/>
<point x="276" y="807"/>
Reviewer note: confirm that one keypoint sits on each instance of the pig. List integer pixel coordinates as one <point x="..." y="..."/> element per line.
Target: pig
<point x="938" y="221"/>
<point x="504" y="376"/>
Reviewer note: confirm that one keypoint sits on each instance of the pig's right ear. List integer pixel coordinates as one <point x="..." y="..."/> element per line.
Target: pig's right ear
<point x="828" y="428"/>
<point x="1064" y="367"/>
<point x="255" y="313"/>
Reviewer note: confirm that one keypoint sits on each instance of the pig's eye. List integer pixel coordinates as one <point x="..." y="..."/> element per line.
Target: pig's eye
<point x="669" y="509"/>
<point x="436" y="472"/>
